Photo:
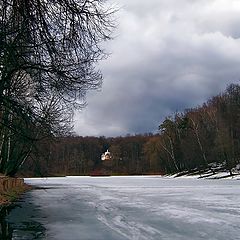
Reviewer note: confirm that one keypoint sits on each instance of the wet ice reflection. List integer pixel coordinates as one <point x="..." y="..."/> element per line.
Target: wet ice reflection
<point x="141" y="208"/>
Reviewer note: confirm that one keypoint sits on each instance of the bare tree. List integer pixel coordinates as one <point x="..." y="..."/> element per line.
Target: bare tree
<point x="48" y="55"/>
<point x="168" y="130"/>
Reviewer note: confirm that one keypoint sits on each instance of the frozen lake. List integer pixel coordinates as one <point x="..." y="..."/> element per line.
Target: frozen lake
<point x="118" y="208"/>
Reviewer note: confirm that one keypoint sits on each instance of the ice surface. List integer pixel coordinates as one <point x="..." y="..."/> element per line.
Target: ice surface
<point x="134" y="208"/>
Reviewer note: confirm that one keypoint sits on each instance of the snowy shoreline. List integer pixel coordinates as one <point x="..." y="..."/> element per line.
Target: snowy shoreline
<point x="206" y="175"/>
<point x="217" y="176"/>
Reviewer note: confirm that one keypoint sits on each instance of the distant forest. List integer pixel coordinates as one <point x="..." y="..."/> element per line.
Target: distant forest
<point x="197" y="139"/>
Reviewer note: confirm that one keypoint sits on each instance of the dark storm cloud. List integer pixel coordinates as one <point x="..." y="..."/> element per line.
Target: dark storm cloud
<point x="169" y="55"/>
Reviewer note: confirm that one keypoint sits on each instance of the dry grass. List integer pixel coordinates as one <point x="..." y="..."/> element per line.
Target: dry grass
<point x="11" y="195"/>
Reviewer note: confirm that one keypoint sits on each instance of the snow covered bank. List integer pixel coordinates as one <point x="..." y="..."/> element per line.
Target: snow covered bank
<point x="219" y="175"/>
<point x="215" y="171"/>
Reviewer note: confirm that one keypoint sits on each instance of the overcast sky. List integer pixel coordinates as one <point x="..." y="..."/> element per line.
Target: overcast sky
<point x="168" y="55"/>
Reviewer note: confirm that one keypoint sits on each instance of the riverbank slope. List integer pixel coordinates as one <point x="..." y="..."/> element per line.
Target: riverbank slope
<point x="10" y="189"/>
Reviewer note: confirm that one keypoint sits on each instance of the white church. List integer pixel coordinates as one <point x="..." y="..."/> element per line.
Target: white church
<point x="106" y="156"/>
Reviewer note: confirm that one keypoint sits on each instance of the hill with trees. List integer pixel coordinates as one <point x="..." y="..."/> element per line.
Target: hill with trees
<point x="204" y="138"/>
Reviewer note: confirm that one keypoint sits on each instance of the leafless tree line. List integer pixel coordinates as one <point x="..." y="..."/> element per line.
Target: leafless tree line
<point x="202" y="139"/>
